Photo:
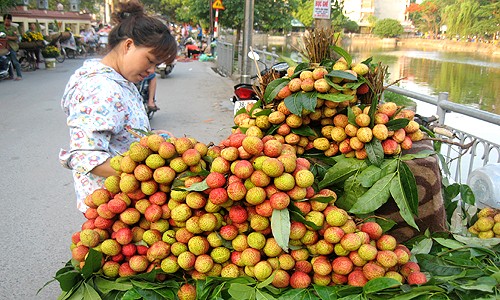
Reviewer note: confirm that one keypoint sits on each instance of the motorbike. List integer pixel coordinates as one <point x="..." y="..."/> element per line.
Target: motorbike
<point x="165" y="69"/>
<point x="244" y="93"/>
<point x="143" y="88"/>
<point x="5" y="63"/>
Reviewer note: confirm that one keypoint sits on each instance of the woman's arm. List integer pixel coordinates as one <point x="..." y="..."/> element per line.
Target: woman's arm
<point x="104" y="169"/>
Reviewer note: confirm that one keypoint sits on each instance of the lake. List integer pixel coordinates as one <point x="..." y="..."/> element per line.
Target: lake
<point x="469" y="78"/>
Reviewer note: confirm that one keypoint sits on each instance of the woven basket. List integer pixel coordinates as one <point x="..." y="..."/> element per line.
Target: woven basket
<point x="31" y="45"/>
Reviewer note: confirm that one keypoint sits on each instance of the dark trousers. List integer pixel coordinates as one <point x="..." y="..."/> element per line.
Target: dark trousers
<point x="15" y="63"/>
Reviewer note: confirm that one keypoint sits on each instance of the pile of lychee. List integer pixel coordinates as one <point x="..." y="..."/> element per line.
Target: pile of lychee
<point x="186" y="208"/>
<point x="487" y="224"/>
<point x="334" y="132"/>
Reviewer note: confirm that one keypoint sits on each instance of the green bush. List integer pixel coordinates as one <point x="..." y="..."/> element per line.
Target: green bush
<point x="388" y="28"/>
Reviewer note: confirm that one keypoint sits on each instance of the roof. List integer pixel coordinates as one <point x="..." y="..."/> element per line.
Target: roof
<point x="49" y="14"/>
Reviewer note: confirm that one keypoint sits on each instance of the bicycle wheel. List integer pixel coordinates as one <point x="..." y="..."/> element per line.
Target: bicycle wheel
<point x="61" y="58"/>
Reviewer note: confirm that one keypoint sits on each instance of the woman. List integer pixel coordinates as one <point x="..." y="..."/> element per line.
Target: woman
<point x="101" y="100"/>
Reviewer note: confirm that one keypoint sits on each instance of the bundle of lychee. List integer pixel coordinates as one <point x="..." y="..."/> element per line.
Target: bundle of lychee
<point x="246" y="207"/>
<point x="487" y="224"/>
<point x="318" y="109"/>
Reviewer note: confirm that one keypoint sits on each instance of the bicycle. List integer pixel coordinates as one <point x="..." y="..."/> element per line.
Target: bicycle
<point x="27" y="59"/>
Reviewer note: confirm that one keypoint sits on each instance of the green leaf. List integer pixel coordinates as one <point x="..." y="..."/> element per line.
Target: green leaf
<point x="452" y="191"/>
<point x="352" y="191"/>
<point x="436" y="266"/>
<point x="415" y="292"/>
<point x="339" y="97"/>
<point x="396" y="124"/>
<point x="375" y="197"/>
<point x="421" y="154"/>
<point x="369" y="176"/>
<point x="292" y="294"/>
<point x="241" y="291"/>
<point x="324" y="293"/>
<point x="351" y="117"/>
<point x="375" y="152"/>
<point x="131" y="295"/>
<point x="105" y="286"/>
<point x="467" y="195"/>
<point x="294" y="103"/>
<point x="342" y="170"/>
<point x="261" y="295"/>
<point x="299" y="68"/>
<point x="92" y="263"/>
<point x="309" y="100"/>
<point x="340" y="51"/>
<point x="273" y="88"/>
<point x="484" y="284"/>
<point x="449" y="243"/>
<point x="379" y="284"/>
<point x="390" y="165"/>
<point x="296" y="215"/>
<point x="77" y="293"/>
<point x="304" y="130"/>
<point x="341" y="74"/>
<point x="422" y="247"/>
<point x="398" y="194"/>
<point x="198" y="186"/>
<point x="280" y="227"/>
<point x="409" y="187"/>
<point x="89" y="292"/>
<point x="69" y="279"/>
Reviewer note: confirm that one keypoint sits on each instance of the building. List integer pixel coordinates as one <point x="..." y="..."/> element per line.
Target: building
<point x="363" y="11"/>
<point x="72" y="18"/>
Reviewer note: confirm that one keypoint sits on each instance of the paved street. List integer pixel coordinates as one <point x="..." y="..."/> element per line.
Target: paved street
<point x="38" y="212"/>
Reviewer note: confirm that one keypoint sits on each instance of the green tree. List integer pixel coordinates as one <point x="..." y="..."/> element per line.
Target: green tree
<point x="6" y="4"/>
<point x="351" y="26"/>
<point x="304" y="12"/>
<point x="388" y="28"/>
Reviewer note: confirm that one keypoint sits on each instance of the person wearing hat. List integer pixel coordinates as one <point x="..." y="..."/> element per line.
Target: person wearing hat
<point x="12" y="41"/>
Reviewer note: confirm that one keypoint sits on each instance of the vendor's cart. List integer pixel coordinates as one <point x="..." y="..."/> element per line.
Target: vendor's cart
<point x="29" y="54"/>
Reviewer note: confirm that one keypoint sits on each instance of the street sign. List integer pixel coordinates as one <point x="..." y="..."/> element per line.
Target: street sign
<point x="218" y="5"/>
<point x="321" y="9"/>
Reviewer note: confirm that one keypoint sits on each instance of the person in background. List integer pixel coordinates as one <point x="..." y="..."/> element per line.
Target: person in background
<point x="200" y="32"/>
<point x="101" y="101"/>
<point x="191" y="48"/>
<point x="13" y="41"/>
<point x="36" y="51"/>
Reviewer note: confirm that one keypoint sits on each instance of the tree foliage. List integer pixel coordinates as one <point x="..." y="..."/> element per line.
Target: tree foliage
<point x="461" y="17"/>
<point x="388" y="28"/>
<point x="6" y="4"/>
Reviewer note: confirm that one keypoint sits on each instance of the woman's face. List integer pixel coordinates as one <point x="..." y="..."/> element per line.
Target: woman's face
<point x="138" y="62"/>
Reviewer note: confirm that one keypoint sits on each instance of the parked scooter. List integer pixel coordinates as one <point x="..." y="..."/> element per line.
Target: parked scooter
<point x="164" y="70"/>
<point x="4" y="59"/>
<point x="244" y="93"/>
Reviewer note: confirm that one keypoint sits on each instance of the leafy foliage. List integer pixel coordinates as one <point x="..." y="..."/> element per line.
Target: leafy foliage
<point x="388" y="28"/>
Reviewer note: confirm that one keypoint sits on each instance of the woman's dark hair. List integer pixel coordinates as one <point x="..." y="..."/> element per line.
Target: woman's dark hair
<point x="7" y="17"/>
<point x="132" y="22"/>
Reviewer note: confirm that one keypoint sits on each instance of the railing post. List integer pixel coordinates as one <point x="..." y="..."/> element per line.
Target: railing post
<point x="443" y="96"/>
<point x="273" y="57"/>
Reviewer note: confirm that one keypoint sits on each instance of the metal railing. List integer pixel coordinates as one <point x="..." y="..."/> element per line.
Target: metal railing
<point x="479" y="152"/>
<point x="461" y="162"/>
<point x="227" y="65"/>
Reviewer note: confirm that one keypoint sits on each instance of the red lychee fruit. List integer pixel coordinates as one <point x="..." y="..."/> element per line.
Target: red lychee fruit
<point x="300" y="280"/>
<point x="215" y="180"/>
<point x="373" y="270"/>
<point x="386" y="242"/>
<point x="187" y="292"/>
<point x="373" y="229"/>
<point x="356" y="278"/>
<point x="417" y="277"/>
<point x="342" y="265"/>
<point x="409" y="268"/>
<point x="238" y="214"/>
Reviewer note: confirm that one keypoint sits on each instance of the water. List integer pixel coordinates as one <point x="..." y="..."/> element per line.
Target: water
<point x="469" y="78"/>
